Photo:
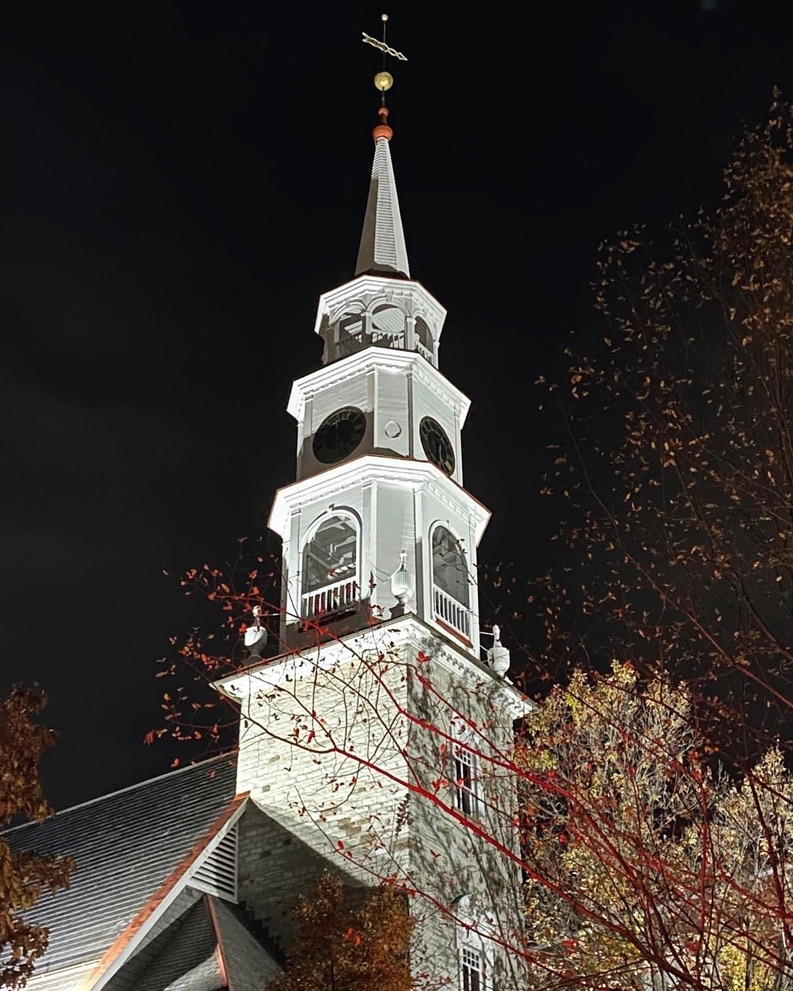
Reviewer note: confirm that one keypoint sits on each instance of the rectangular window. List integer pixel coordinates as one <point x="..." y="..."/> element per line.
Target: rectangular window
<point x="466" y="783"/>
<point x="472" y="970"/>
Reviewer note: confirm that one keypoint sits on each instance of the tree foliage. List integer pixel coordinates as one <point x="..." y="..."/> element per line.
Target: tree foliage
<point x="341" y="947"/>
<point x="646" y="863"/>
<point x="23" y="875"/>
<point x="679" y="465"/>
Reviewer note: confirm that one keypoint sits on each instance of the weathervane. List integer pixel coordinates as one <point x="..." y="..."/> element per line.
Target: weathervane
<point x="383" y="80"/>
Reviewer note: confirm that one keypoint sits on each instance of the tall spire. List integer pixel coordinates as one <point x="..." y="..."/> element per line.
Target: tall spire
<point x="382" y="240"/>
<point x="382" y="247"/>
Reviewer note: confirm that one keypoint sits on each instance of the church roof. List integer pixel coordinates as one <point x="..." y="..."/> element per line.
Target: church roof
<point x="246" y="962"/>
<point x="382" y="247"/>
<point x="131" y="850"/>
<point x="211" y="945"/>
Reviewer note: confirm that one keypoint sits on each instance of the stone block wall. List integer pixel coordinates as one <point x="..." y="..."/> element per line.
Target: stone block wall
<point x="350" y="760"/>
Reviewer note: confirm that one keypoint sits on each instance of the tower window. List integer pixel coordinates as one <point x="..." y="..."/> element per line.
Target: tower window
<point x="451" y="592"/>
<point x="330" y="568"/>
<point x="466" y="781"/>
<point x="474" y="945"/>
<point x="449" y="570"/>
<point x="472" y="970"/>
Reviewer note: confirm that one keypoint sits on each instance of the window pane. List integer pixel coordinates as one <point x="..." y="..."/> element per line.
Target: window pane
<point x="466" y="798"/>
<point x="473" y="977"/>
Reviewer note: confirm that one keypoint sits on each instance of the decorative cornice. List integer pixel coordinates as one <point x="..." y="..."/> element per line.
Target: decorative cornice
<point x="369" y="287"/>
<point x="380" y="639"/>
<point x="374" y="467"/>
<point x="389" y="359"/>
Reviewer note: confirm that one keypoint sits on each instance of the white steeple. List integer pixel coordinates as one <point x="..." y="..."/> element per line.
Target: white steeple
<point x="379" y="481"/>
<point x="382" y="247"/>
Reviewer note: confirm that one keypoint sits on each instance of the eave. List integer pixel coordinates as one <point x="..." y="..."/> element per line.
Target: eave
<point x="370" y="468"/>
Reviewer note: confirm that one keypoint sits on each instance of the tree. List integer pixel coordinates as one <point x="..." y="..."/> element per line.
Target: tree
<point x="346" y="948"/>
<point x="649" y="867"/>
<point x="23" y="875"/>
<point x="679" y="462"/>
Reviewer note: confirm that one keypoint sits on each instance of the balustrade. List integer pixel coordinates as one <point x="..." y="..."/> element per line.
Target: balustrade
<point x="329" y="599"/>
<point x="451" y="612"/>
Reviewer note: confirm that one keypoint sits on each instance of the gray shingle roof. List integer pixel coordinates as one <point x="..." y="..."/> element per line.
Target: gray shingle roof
<point x="182" y="958"/>
<point x="248" y="965"/>
<point x="382" y="240"/>
<point x="129" y="848"/>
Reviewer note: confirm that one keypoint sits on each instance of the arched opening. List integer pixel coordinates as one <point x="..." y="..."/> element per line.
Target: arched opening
<point x="451" y="587"/>
<point x="423" y="338"/>
<point x="388" y="326"/>
<point x="330" y="567"/>
<point x="352" y="335"/>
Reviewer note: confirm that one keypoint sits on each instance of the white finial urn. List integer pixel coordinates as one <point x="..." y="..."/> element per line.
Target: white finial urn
<point x="498" y="655"/>
<point x="255" y="636"/>
<point x="401" y="584"/>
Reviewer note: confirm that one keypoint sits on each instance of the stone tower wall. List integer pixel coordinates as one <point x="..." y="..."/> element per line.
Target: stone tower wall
<point x="371" y="792"/>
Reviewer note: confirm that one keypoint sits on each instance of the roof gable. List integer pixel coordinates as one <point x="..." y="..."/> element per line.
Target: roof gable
<point x="130" y="848"/>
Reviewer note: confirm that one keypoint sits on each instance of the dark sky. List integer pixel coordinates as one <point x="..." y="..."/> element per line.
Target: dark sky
<point x="180" y="183"/>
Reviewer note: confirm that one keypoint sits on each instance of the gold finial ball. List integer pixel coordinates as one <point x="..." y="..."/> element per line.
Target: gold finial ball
<point x="383" y="81"/>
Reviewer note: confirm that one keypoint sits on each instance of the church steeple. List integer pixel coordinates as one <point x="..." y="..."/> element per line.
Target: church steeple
<point x="377" y="524"/>
<point x="381" y="695"/>
<point x="382" y="249"/>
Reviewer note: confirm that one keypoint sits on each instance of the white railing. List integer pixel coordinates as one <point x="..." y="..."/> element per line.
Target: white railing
<point x="451" y="612"/>
<point x="426" y="352"/>
<point x="384" y="340"/>
<point x="330" y="599"/>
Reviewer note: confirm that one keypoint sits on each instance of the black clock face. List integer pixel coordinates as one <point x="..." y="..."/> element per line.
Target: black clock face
<point x="436" y="444"/>
<point x="339" y="434"/>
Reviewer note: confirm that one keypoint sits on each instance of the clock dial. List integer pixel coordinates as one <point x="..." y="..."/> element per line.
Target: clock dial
<point x="436" y="444"/>
<point x="339" y="434"/>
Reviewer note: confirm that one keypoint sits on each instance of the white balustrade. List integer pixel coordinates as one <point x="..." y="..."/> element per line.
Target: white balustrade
<point x="451" y="612"/>
<point x="426" y="352"/>
<point x="329" y="599"/>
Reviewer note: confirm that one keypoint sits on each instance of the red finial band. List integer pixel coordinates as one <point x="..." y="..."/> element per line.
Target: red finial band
<point x="383" y="130"/>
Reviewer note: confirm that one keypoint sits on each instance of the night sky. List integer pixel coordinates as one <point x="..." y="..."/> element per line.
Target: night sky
<point x="180" y="183"/>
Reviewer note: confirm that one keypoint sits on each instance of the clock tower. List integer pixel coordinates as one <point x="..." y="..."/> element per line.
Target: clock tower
<point x="373" y="737"/>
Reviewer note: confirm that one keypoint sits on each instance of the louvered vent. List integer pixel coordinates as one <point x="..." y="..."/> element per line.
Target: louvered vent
<point x="218" y="874"/>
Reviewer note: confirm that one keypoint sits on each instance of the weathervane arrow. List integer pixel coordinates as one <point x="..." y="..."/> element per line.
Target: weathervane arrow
<point x="369" y="40"/>
<point x="381" y="45"/>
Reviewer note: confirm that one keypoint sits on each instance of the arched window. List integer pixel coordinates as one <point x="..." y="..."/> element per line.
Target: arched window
<point x="451" y="591"/>
<point x="474" y="946"/>
<point x="330" y="567"/>
<point x="449" y="568"/>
